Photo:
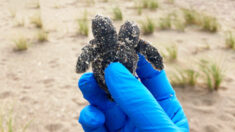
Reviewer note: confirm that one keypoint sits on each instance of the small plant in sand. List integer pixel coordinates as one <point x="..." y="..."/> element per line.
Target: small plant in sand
<point x="57" y="5"/>
<point x="179" y="25"/>
<point x="19" y="22"/>
<point x="37" y="4"/>
<point x="171" y="21"/>
<point x="150" y="4"/>
<point x="148" y="26"/>
<point x="191" y="17"/>
<point x="12" y="12"/>
<point x="138" y="7"/>
<point x="213" y="74"/>
<point x="21" y="44"/>
<point x="90" y="2"/>
<point x="171" y="53"/>
<point x="139" y="10"/>
<point x="83" y="28"/>
<point x="170" y="1"/>
<point x="117" y="14"/>
<point x="37" y="21"/>
<point x="209" y="23"/>
<point x="153" y="4"/>
<point x="185" y="77"/>
<point x="42" y="36"/>
<point x="145" y="3"/>
<point x="165" y="23"/>
<point x="230" y="40"/>
<point x="7" y="123"/>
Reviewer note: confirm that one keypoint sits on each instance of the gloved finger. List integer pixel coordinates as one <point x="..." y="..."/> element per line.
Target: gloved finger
<point x="115" y="118"/>
<point x="159" y="85"/>
<point x="92" y="92"/>
<point x="92" y="119"/>
<point x="135" y="100"/>
<point x="156" y="81"/>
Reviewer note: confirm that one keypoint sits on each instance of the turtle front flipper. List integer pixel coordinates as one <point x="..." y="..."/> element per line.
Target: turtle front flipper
<point x="151" y="54"/>
<point x="85" y="58"/>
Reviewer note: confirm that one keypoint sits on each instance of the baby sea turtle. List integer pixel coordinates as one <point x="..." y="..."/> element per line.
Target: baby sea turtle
<point x="108" y="46"/>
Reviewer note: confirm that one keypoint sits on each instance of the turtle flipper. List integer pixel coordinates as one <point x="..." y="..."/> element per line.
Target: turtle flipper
<point x="129" y="34"/>
<point x="151" y="54"/>
<point x="85" y="58"/>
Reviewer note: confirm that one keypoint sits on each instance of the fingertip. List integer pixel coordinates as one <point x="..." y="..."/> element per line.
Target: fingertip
<point x="116" y="68"/>
<point x="86" y="77"/>
<point x="117" y="75"/>
<point x="87" y="84"/>
<point x="91" y="117"/>
<point x="115" y="118"/>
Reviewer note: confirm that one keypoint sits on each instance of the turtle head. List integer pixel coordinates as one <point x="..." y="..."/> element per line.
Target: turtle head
<point x="102" y="27"/>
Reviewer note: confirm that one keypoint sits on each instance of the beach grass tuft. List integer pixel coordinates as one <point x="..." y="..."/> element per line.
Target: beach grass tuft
<point x="42" y="36"/>
<point x="184" y="77"/>
<point x="37" y="21"/>
<point x="230" y="40"/>
<point x="213" y="74"/>
<point x="117" y="14"/>
<point x="21" y="44"/>
<point x="171" y="53"/>
<point x="148" y="26"/>
<point x="83" y="28"/>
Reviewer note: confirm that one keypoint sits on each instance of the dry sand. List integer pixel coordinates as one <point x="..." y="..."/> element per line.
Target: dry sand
<point x="40" y="84"/>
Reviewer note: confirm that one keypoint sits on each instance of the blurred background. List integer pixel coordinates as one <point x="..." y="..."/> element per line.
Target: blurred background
<point x="40" y="41"/>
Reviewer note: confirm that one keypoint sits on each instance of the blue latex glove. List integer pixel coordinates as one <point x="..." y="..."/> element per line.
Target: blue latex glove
<point x="149" y="105"/>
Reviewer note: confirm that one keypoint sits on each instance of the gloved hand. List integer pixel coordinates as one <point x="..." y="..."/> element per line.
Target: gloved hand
<point x="150" y="106"/>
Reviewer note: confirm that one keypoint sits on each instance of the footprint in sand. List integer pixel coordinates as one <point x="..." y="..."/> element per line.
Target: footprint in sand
<point x="66" y="130"/>
<point x="24" y="92"/>
<point x="208" y="102"/>
<point x="48" y="82"/>
<point x="13" y="76"/>
<point x="74" y="49"/>
<point x="179" y="41"/>
<point x="27" y="87"/>
<point x="79" y="103"/>
<point x="66" y="87"/>
<point x="3" y="62"/>
<point x="5" y="94"/>
<point x="210" y="128"/>
<point x="53" y="63"/>
<point x="226" y="117"/>
<point x="53" y="127"/>
<point x="25" y="99"/>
